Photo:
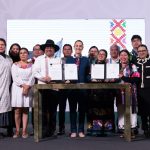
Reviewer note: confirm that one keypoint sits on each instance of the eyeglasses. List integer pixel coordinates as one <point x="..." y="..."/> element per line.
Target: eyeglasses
<point x="67" y="49"/>
<point x="36" y="49"/>
<point x="141" y="51"/>
<point x="102" y="54"/>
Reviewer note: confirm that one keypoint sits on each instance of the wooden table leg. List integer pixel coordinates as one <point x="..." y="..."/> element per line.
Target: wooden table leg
<point x="40" y="130"/>
<point x="127" y="121"/>
<point x="36" y="115"/>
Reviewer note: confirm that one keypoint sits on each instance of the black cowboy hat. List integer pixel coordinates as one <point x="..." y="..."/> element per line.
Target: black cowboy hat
<point x="49" y="43"/>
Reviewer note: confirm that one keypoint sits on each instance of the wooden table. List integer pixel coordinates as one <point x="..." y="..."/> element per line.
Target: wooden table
<point x="38" y="102"/>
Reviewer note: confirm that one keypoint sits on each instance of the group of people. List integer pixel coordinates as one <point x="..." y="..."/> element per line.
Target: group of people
<point x="18" y="74"/>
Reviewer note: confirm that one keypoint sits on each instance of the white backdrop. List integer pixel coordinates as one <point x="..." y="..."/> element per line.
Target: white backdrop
<point x="93" y="32"/>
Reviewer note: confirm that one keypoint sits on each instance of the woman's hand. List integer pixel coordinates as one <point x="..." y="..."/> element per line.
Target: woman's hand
<point x="26" y="89"/>
<point x="25" y="86"/>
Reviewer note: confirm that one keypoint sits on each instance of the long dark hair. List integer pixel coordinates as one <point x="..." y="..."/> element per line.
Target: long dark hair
<point x="129" y="55"/>
<point x="103" y="61"/>
<point x="15" y="57"/>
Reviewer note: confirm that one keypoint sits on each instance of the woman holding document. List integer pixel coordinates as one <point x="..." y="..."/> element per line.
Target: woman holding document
<point x="128" y="74"/>
<point x="101" y="111"/>
<point x="41" y="70"/>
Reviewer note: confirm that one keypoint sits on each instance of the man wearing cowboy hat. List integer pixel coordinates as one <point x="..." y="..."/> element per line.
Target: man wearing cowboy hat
<point x="40" y="71"/>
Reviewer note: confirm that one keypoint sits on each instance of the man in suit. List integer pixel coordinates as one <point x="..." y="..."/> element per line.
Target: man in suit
<point x="64" y="94"/>
<point x="78" y="97"/>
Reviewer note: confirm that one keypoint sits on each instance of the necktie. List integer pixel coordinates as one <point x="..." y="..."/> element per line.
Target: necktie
<point x="63" y="68"/>
<point x="78" y="62"/>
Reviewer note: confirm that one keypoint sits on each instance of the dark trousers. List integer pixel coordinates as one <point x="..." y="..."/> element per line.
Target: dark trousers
<point x="64" y="95"/>
<point x="145" y="122"/>
<point x="6" y="122"/>
<point x="49" y="110"/>
<point x="77" y="97"/>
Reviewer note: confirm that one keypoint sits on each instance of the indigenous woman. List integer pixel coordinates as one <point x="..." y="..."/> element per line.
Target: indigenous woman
<point x="101" y="111"/>
<point x="128" y="74"/>
<point x="22" y="91"/>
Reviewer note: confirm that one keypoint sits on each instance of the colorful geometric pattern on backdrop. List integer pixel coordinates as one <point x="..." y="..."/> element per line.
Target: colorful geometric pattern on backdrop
<point x="118" y="32"/>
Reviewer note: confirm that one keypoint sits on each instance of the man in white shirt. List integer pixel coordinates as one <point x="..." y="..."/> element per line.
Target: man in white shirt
<point x="114" y="54"/>
<point x="114" y="59"/>
<point x="36" y="53"/>
<point x="49" y="97"/>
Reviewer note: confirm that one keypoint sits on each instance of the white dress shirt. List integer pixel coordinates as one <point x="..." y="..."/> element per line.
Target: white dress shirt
<point x="40" y="69"/>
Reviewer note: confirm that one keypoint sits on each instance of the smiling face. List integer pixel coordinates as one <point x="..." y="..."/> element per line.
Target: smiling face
<point x="78" y="46"/>
<point x="124" y="58"/>
<point x="101" y="56"/>
<point x="49" y="51"/>
<point x="142" y="52"/>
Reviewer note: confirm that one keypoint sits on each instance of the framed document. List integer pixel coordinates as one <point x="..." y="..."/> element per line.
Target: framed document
<point x="70" y="72"/>
<point x="97" y="71"/>
<point x="55" y="71"/>
<point x="112" y="71"/>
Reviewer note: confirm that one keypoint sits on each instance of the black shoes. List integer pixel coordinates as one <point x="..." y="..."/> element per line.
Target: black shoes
<point x="147" y="133"/>
<point x="10" y="132"/>
<point x="133" y="134"/>
<point x="122" y="135"/>
<point x="136" y="132"/>
<point x="61" y="132"/>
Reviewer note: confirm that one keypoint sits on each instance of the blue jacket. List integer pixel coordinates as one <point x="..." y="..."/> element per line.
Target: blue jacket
<point x="84" y="68"/>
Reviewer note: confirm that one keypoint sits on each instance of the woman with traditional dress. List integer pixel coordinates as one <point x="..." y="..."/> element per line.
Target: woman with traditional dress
<point x="22" y="91"/>
<point x="128" y="74"/>
<point x="101" y="110"/>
